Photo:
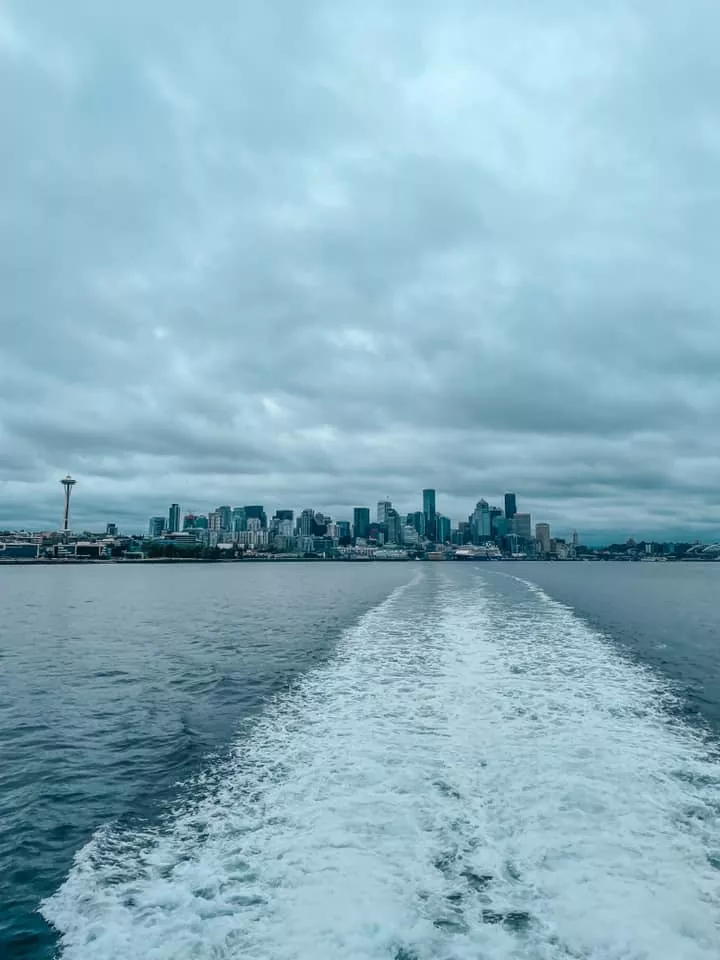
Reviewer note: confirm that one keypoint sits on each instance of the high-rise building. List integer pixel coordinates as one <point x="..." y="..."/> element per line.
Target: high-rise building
<point x="510" y="506"/>
<point x="225" y="517"/>
<point x="344" y="529"/>
<point x="174" y="518"/>
<point x="156" y="526"/>
<point x="111" y="529"/>
<point x="285" y="515"/>
<point x="361" y="522"/>
<point x="377" y="531"/>
<point x="443" y="527"/>
<point x="394" y="527"/>
<point x="257" y="512"/>
<point x="430" y="511"/>
<point x="320" y="524"/>
<point x="239" y="520"/>
<point x="284" y="530"/>
<point x="418" y="521"/>
<point x="542" y="535"/>
<point x="215" y="520"/>
<point x="195" y="522"/>
<point x="410" y="536"/>
<point x="481" y="522"/>
<point x="383" y="508"/>
<point x="500" y="526"/>
<point x="522" y="526"/>
<point x="307" y="523"/>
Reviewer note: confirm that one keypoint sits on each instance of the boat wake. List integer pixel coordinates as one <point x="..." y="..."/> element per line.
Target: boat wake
<point x="466" y="778"/>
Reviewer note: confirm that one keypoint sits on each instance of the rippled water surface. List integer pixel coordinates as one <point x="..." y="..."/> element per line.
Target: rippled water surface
<point x="382" y="761"/>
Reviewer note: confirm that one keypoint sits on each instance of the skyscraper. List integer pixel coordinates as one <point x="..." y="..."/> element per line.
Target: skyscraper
<point x="410" y="536"/>
<point x="225" y="517"/>
<point x="443" y="527"/>
<point x="418" y="521"/>
<point x="156" y="526"/>
<point x="394" y="526"/>
<point x="510" y="506"/>
<point x="481" y="522"/>
<point x="239" y="520"/>
<point x="174" y="518"/>
<point x="542" y="535"/>
<point x="522" y="524"/>
<point x="257" y="512"/>
<point x="307" y="523"/>
<point x="361" y="522"/>
<point x="429" y="509"/>
<point x="383" y="508"/>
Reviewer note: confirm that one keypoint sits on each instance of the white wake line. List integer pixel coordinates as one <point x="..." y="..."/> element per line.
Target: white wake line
<point x="445" y="785"/>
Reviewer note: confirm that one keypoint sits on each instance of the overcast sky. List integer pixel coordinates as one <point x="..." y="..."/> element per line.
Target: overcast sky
<point x="317" y="253"/>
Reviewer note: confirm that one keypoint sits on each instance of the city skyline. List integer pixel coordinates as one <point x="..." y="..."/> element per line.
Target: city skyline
<point x="132" y="524"/>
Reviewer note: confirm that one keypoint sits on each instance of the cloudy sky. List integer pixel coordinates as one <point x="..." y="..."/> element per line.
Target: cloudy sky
<point x="317" y="253"/>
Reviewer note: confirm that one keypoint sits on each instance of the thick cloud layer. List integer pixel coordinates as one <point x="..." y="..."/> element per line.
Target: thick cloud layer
<point x="319" y="253"/>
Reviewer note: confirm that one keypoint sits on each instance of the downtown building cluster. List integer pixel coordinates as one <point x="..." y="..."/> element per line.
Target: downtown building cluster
<point x="488" y="531"/>
<point x="234" y="532"/>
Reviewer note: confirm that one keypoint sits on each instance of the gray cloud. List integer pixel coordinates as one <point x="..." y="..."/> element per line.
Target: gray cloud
<point x="321" y="253"/>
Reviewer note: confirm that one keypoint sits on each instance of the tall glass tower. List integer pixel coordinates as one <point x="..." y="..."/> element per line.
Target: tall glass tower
<point x="174" y="518"/>
<point x="510" y="505"/>
<point x="361" y="522"/>
<point x="429" y="509"/>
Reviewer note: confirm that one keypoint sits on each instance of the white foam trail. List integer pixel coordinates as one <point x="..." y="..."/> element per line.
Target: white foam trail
<point x="464" y="780"/>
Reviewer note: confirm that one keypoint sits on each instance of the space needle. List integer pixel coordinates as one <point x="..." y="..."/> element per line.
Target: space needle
<point x="68" y="483"/>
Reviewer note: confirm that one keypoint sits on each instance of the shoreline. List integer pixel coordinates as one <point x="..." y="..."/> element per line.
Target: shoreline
<point x="93" y="561"/>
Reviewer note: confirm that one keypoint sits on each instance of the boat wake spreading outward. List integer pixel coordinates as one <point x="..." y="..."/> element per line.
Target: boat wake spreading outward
<point x="465" y="778"/>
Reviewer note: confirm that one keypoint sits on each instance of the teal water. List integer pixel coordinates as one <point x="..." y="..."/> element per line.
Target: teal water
<point x="402" y="761"/>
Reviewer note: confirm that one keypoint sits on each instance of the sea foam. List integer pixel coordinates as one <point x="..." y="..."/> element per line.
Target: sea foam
<point x="468" y="777"/>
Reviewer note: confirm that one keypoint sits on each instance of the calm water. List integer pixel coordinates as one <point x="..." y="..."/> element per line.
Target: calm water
<point x="374" y="761"/>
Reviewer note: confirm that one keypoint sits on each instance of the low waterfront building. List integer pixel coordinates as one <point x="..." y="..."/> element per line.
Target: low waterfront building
<point x="10" y="550"/>
<point x="91" y="549"/>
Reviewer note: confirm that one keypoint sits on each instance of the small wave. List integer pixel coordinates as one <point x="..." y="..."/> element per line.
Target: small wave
<point x="464" y="779"/>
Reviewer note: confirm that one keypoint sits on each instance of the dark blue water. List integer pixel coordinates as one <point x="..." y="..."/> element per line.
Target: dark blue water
<point x="382" y="760"/>
<point x="118" y="682"/>
<point x="666" y="615"/>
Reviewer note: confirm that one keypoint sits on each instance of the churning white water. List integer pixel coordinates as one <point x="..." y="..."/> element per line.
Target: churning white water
<point x="468" y="777"/>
